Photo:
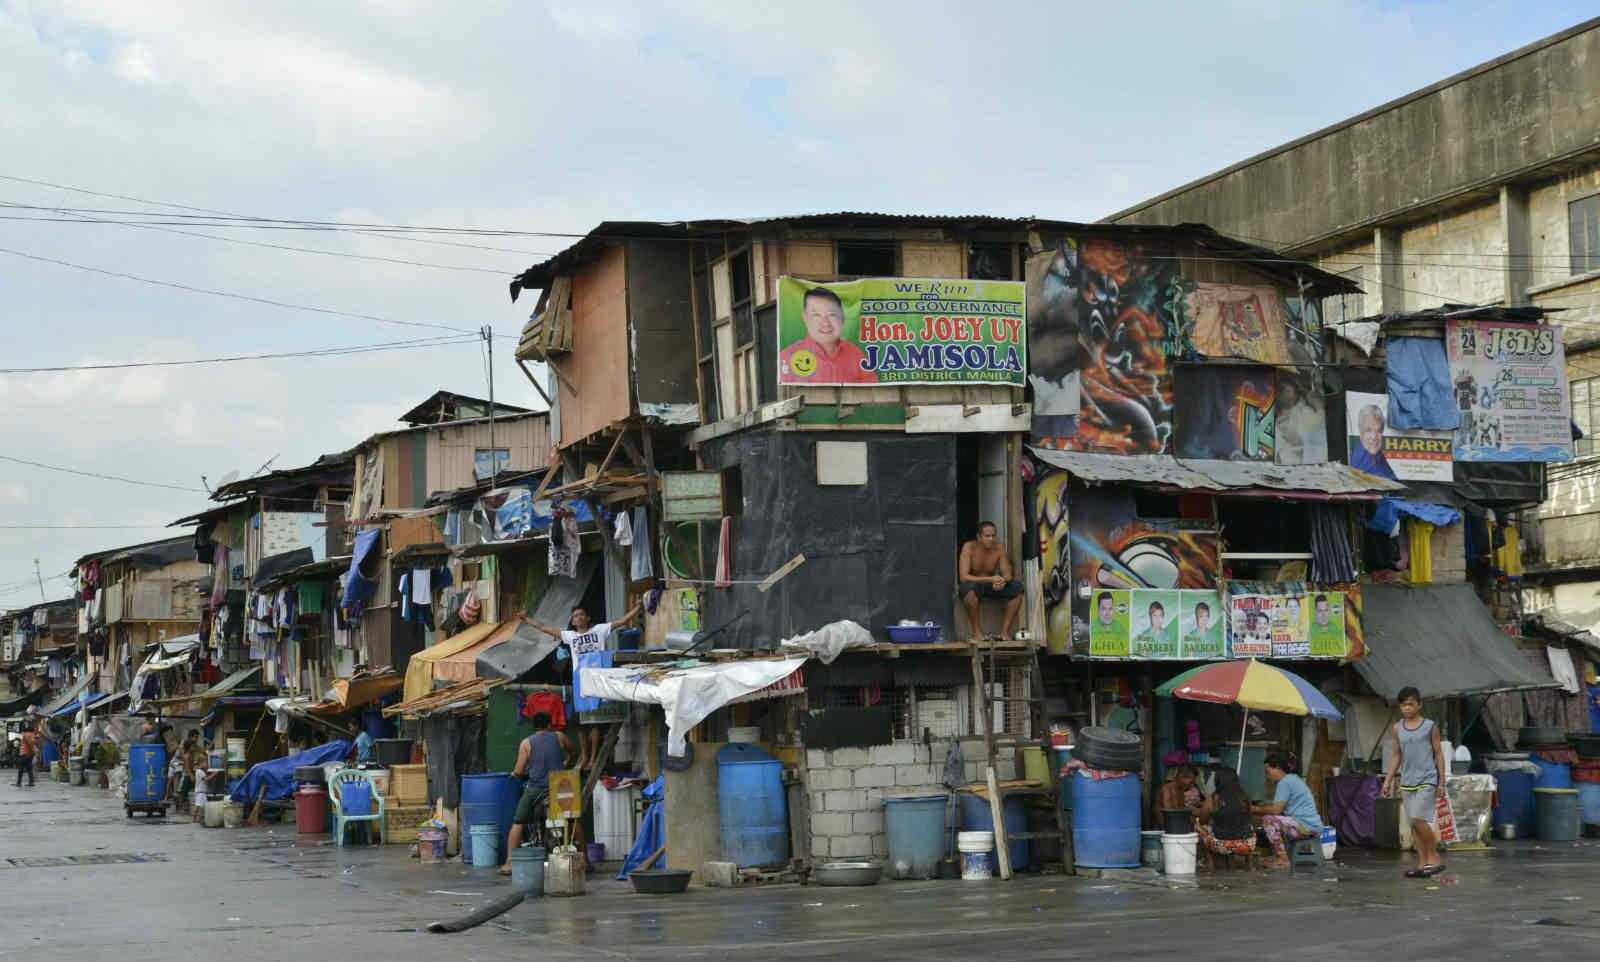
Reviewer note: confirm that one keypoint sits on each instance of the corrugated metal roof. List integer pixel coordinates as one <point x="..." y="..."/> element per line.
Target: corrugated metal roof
<point x="1441" y="639"/>
<point x="1327" y="478"/>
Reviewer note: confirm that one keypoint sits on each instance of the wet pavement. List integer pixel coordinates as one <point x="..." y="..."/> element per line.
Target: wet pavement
<point x="81" y="881"/>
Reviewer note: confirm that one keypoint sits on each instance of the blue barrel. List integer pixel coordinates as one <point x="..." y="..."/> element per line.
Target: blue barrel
<point x="48" y="752"/>
<point x="1557" y="809"/>
<point x="1514" y="802"/>
<point x="754" y="807"/>
<point x="915" y="826"/>
<point x="976" y="816"/>
<point x="1551" y="774"/>
<point x="147" y="774"/>
<point x="488" y="799"/>
<point x="1589" y="802"/>
<point x="1105" y="821"/>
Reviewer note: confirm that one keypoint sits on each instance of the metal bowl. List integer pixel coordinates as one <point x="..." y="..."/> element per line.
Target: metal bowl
<point x="848" y="873"/>
<point x="660" y="881"/>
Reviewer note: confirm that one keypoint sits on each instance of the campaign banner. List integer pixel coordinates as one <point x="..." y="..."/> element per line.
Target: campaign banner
<point x="1510" y="385"/>
<point x="1153" y="624"/>
<point x="1376" y="448"/>
<point x="1200" y="617"/>
<point x="1290" y="619"/>
<point x="902" y="330"/>
<point x="1108" y="623"/>
<point x="1250" y="624"/>
<point x="1325" y="628"/>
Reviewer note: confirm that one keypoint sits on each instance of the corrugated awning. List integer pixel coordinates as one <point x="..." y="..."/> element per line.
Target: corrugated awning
<point x="463" y="665"/>
<point x="1441" y="639"/>
<point x="1324" y="480"/>
<point x="88" y="701"/>
<point x="210" y="694"/>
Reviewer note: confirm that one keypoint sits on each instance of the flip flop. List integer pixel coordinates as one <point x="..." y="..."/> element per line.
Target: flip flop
<point x="1416" y="873"/>
<point x="1430" y="871"/>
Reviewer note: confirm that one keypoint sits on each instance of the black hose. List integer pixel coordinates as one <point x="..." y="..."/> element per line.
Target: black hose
<point x="499" y="906"/>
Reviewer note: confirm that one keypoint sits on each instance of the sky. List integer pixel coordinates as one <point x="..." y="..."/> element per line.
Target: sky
<point x="547" y="118"/>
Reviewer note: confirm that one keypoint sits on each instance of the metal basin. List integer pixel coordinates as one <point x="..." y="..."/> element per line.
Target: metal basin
<point x="848" y="873"/>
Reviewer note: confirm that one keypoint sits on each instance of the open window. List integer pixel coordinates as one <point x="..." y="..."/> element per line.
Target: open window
<point x="866" y="259"/>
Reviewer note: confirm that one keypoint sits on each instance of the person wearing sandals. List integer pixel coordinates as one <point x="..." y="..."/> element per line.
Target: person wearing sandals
<point x="1418" y="769"/>
<point x="1292" y="813"/>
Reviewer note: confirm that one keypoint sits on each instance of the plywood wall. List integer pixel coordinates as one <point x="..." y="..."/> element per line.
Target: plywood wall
<point x="597" y="368"/>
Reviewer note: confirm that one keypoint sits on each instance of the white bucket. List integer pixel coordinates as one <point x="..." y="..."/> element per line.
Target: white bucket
<point x="236" y="749"/>
<point x="232" y="815"/>
<point x="977" y="855"/>
<point x="745" y="735"/>
<point x="214" y="813"/>
<point x="1179" y="853"/>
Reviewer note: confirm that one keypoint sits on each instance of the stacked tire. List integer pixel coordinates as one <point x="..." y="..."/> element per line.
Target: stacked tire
<point x="1109" y="749"/>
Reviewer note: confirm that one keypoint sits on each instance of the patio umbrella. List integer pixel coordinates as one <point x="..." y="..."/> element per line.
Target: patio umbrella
<point x="1251" y="685"/>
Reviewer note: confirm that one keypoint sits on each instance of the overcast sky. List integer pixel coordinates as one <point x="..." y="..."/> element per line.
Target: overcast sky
<point x="534" y="117"/>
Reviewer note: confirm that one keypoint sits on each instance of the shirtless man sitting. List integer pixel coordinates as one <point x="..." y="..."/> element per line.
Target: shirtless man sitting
<point x="984" y="571"/>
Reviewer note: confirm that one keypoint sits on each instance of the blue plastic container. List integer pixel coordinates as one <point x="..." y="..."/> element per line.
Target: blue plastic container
<point x="1589" y="802"/>
<point x="754" y="807"/>
<point x="48" y="753"/>
<point x="485" y="844"/>
<point x="147" y="774"/>
<point x="977" y="817"/>
<point x="1105" y="821"/>
<point x="488" y="799"/>
<point x="1514" y="802"/>
<point x="527" y="869"/>
<point x="1557" y="809"/>
<point x="915" y="826"/>
<point x="1551" y="774"/>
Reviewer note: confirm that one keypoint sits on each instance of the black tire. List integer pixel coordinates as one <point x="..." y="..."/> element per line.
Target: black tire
<point x="1109" y="749"/>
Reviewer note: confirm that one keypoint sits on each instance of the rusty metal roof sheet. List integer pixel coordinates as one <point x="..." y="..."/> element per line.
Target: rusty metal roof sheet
<point x="1327" y="478"/>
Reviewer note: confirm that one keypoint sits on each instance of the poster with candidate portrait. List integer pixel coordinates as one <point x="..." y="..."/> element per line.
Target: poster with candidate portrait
<point x="902" y="330"/>
<point x="1109" y="611"/>
<point x="1200" y="617"/>
<point x="1376" y="448"/>
<point x="1325" y="624"/>
<point x="1153" y="624"/>
<point x="1288" y="620"/>
<point x="1510" y="384"/>
<point x="1249" y="623"/>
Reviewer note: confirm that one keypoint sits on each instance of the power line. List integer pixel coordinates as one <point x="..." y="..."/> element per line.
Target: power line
<point x="236" y="220"/>
<point x="49" y="526"/>
<point x="229" y="294"/>
<point x="103" y="477"/>
<point x="326" y="352"/>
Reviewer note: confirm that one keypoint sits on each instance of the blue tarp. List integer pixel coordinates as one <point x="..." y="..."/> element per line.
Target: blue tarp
<point x="278" y="774"/>
<point x="652" y="830"/>
<point x="1386" y="516"/>
<point x="84" y="700"/>
<point x="1420" y="392"/>
<point x="357" y="589"/>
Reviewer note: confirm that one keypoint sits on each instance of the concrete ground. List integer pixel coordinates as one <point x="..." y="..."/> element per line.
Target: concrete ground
<point x="78" y="880"/>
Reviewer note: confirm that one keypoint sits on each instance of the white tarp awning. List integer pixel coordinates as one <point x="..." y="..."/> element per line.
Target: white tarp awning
<point x="687" y="695"/>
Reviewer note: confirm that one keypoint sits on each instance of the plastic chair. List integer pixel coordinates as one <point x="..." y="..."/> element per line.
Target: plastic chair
<point x="349" y="776"/>
<point x="1306" y="852"/>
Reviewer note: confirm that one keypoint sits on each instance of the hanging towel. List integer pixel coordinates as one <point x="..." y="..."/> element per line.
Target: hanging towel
<point x="589" y="659"/>
<point x="1562" y="669"/>
<point x="623" y="535"/>
<point x="724" y="563"/>
<point x="422" y="586"/>
<point x="1420" y="392"/>
<point x="405" y="596"/>
<point x="1421" y="534"/>
<point x="643" y="566"/>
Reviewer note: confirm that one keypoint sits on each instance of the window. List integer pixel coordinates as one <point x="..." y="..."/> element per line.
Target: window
<point x="991" y="262"/>
<point x="1583" y="234"/>
<point x="867" y="259"/>
<point x="487" y="462"/>
<point x="1586" y="414"/>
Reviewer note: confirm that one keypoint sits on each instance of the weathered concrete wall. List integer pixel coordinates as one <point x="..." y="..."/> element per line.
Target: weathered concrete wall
<point x="1498" y="121"/>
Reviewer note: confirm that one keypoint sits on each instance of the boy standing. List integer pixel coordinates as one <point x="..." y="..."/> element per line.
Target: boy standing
<point x="1418" y="767"/>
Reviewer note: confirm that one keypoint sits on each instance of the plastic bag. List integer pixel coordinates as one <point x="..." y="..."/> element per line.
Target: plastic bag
<point x="1444" y="818"/>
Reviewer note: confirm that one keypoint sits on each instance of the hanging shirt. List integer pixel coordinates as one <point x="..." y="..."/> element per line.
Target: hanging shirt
<point x="589" y="659"/>
<point x="642" y="567"/>
<point x="422" y="586"/>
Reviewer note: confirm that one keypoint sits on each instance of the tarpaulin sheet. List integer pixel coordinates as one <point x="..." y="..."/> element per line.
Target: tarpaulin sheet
<point x="419" y="672"/>
<point x="1441" y="639"/>
<point x="71" y="694"/>
<point x="687" y="695"/>
<point x="278" y="774"/>
<point x="463" y="665"/>
<point x="88" y="701"/>
<point x="652" y="831"/>
<point x="511" y="659"/>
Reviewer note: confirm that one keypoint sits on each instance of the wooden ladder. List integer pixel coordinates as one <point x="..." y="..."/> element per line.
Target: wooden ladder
<point x="989" y="660"/>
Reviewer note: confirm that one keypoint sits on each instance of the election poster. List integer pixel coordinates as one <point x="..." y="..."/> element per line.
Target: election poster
<point x="901" y="330"/>
<point x="1288" y="620"/>
<point x="1108" y="623"/>
<point x="1200" y="616"/>
<point x="1510" y="385"/>
<point x="1249" y="623"/>
<point x="1153" y="624"/>
<point x="1326" y="628"/>
<point x="1376" y="448"/>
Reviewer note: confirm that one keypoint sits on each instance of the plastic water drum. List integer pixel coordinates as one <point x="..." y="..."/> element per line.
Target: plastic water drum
<point x="1551" y="774"/>
<point x="147" y="774"/>
<point x="1557" y="810"/>
<point x="1105" y="821"/>
<point x="753" y="805"/>
<point x="1589" y="802"/>
<point x="977" y="816"/>
<point x="487" y="799"/>
<point x="915" y="828"/>
<point x="1514" y="802"/>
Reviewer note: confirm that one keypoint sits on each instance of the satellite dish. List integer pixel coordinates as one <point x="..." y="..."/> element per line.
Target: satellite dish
<point x="227" y="479"/>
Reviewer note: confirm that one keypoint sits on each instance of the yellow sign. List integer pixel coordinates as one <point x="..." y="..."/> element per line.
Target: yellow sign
<point x="566" y="794"/>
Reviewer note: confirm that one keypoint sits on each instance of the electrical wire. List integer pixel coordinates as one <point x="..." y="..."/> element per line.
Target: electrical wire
<point x="226" y="359"/>
<point x="49" y="526"/>
<point x="103" y="477"/>
<point x="219" y="220"/>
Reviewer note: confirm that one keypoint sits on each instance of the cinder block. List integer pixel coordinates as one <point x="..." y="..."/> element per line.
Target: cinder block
<point x="900" y="753"/>
<point x="819" y="846"/>
<point x="877" y="776"/>
<point x="866" y="822"/>
<point x="850" y="758"/>
<point x="973" y="771"/>
<point x="907" y="776"/>
<point x="880" y="846"/>
<point x="973" y="750"/>
<point x="853" y="800"/>
<point x="1005" y="768"/>
<point x="850" y="846"/>
<point x="875" y="798"/>
<point x="816" y="758"/>
<point x="722" y="875"/>
<point x="823" y="779"/>
<point x="831" y="823"/>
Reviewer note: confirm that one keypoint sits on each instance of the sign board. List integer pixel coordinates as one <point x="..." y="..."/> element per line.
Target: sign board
<point x="691" y="495"/>
<point x="1510" y="385"/>
<point x="902" y="330"/>
<point x="1376" y="448"/>
<point x="566" y="794"/>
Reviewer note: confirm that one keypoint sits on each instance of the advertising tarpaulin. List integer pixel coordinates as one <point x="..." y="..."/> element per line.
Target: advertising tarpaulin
<point x="888" y="330"/>
<point x="1510" y="385"/>
<point x="1376" y="448"/>
<point x="1289" y="619"/>
<point x="1156" y="624"/>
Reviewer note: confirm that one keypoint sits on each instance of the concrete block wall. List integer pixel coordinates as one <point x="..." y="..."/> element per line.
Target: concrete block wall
<point x="1448" y="551"/>
<point x="846" y="788"/>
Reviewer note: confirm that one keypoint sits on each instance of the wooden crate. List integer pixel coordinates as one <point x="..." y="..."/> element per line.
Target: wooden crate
<point x="402" y="822"/>
<point x="408" y="785"/>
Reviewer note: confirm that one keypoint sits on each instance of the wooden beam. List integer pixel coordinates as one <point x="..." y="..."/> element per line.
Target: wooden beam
<point x="788" y="407"/>
<point x="535" y="382"/>
<point x="783" y="572"/>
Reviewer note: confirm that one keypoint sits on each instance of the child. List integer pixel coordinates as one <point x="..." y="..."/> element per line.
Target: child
<point x="1419" y="767"/>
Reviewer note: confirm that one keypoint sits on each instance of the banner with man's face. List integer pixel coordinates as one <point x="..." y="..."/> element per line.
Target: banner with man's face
<point x="901" y="330"/>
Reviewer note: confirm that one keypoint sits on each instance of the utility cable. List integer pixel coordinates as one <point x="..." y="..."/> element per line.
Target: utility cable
<point x="326" y="352"/>
<point x="103" y="477"/>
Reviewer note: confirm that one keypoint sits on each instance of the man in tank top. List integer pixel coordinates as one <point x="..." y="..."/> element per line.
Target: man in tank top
<point x="1418" y="769"/>
<point x="539" y="754"/>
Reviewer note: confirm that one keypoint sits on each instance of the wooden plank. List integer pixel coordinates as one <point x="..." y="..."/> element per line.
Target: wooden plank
<point x="976" y="418"/>
<point x="783" y="572"/>
<point x="761" y="415"/>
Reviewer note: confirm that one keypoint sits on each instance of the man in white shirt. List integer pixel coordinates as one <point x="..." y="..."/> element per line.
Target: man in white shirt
<point x="586" y="638"/>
